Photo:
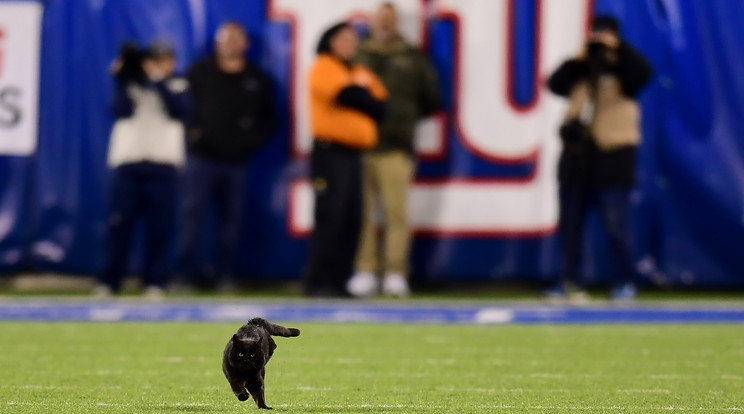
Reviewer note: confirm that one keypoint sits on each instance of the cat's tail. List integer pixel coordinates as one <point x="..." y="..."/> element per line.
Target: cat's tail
<point x="276" y="330"/>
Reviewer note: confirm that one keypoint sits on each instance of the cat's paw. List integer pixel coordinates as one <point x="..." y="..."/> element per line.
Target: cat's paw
<point x="243" y="396"/>
<point x="294" y="332"/>
<point x="265" y="407"/>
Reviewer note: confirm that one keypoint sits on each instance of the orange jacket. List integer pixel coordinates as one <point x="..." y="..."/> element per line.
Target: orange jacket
<point x="336" y="123"/>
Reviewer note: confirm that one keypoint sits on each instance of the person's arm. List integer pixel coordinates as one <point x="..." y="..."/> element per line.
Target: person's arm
<point x="359" y="98"/>
<point x="565" y="77"/>
<point x="429" y="98"/>
<point x="632" y="69"/>
<point x="176" y="96"/>
<point x="372" y="99"/>
<point x="122" y="104"/>
<point x="329" y="83"/>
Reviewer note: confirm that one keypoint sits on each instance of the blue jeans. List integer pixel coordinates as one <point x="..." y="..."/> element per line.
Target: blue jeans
<point x="614" y="209"/>
<point x="222" y="185"/>
<point x="141" y="193"/>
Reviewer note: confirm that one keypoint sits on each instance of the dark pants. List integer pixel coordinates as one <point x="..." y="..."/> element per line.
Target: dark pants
<point x="142" y="192"/>
<point x="336" y="174"/>
<point x="614" y="208"/>
<point x="222" y="185"/>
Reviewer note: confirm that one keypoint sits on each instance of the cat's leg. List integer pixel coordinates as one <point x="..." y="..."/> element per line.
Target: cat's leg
<point x="258" y="396"/>
<point x="238" y="388"/>
<point x="256" y="389"/>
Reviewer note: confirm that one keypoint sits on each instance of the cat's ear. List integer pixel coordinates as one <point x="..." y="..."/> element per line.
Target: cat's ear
<point x="235" y="339"/>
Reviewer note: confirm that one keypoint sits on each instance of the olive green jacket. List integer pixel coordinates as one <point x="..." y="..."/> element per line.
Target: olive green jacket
<point x="412" y="83"/>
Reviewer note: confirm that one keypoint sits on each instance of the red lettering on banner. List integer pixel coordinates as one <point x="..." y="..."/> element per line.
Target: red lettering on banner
<point x="511" y="44"/>
<point x="475" y="207"/>
<point x="463" y="135"/>
<point x="498" y="129"/>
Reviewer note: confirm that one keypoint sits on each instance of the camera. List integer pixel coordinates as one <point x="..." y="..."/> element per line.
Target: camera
<point x="130" y="69"/>
<point x="596" y="51"/>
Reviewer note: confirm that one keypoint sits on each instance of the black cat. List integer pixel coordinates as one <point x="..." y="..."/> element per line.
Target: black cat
<point x="246" y="356"/>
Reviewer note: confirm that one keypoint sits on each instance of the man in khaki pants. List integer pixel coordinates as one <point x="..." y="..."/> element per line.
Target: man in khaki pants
<point x="389" y="168"/>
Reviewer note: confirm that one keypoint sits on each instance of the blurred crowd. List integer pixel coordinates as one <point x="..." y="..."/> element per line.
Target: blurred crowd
<point x="366" y="97"/>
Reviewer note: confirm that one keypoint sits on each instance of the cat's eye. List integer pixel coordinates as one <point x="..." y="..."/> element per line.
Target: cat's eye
<point x="241" y="355"/>
<point x="252" y="355"/>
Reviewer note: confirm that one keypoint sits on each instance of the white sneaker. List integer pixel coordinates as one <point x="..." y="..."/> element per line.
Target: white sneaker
<point x="395" y="284"/>
<point x="154" y="293"/>
<point x="362" y="285"/>
<point x="102" y="292"/>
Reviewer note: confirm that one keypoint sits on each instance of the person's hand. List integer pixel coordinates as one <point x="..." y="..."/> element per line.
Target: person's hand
<point x="115" y="66"/>
<point x="361" y="78"/>
<point x="583" y="53"/>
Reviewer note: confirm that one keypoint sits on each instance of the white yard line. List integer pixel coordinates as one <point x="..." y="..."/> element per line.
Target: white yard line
<point x="510" y="390"/>
<point x="309" y="388"/>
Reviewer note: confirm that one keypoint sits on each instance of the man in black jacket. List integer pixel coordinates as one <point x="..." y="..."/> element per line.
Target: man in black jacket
<point x="600" y="136"/>
<point x="233" y="116"/>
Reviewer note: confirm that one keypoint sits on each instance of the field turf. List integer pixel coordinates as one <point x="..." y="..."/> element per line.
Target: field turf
<point x="358" y="368"/>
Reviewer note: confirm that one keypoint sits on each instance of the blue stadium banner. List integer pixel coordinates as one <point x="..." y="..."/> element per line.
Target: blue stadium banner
<point x="484" y="201"/>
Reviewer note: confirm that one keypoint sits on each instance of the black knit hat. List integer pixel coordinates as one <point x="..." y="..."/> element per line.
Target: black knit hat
<point x="324" y="44"/>
<point x="606" y="22"/>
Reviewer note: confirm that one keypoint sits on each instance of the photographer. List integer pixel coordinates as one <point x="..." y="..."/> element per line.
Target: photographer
<point x="145" y="153"/>
<point x="600" y="136"/>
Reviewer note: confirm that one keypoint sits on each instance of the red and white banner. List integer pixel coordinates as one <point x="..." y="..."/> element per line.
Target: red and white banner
<point x="487" y="122"/>
<point x="20" y="33"/>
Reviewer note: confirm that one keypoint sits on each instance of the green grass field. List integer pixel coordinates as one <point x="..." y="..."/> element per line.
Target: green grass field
<point x="345" y="368"/>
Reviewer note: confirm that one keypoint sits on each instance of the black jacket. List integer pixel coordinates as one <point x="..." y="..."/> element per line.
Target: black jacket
<point x="233" y="114"/>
